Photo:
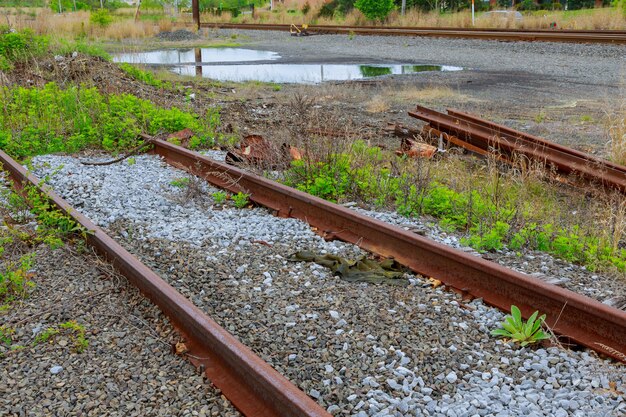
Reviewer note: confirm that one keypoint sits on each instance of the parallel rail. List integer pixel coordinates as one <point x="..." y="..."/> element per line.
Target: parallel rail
<point x="581" y="319"/>
<point x="577" y="36"/>
<point x="251" y="385"/>
<point x="474" y="133"/>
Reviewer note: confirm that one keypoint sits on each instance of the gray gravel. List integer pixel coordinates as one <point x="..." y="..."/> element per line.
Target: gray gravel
<point x="596" y="64"/>
<point x="127" y="368"/>
<point x="358" y="349"/>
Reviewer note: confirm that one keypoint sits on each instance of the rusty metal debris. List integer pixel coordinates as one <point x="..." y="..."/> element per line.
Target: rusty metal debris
<point x="256" y="150"/>
<point x="512" y="146"/>
<point x="416" y="149"/>
<point x="253" y="149"/>
<point x="579" y="318"/>
<point x="252" y="385"/>
<point x="181" y="137"/>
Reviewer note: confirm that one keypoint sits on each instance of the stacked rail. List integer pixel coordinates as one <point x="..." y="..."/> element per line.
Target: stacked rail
<point x="577" y="36"/>
<point x="484" y="137"/>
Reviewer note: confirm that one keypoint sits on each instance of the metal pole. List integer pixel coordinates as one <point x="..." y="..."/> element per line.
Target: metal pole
<point x="60" y="6"/>
<point x="472" y="12"/>
<point x="403" y="7"/>
<point x="195" y="6"/>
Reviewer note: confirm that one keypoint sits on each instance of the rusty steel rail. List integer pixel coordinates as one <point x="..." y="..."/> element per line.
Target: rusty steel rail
<point x="578" y="36"/>
<point x="531" y="139"/>
<point x="252" y="385"/>
<point x="582" y="319"/>
<point x="507" y="143"/>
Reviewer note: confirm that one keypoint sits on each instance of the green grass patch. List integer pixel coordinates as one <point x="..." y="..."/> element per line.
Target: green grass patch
<point x="46" y="120"/>
<point x="492" y="211"/>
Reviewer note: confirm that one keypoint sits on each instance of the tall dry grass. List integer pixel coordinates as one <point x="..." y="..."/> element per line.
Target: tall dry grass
<point x="77" y="24"/>
<point x="616" y="130"/>
<point x="596" y="19"/>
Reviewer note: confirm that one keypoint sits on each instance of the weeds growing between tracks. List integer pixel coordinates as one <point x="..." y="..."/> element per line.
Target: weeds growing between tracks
<point x="492" y="206"/>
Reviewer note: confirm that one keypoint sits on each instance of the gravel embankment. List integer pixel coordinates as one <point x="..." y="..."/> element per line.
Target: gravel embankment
<point x="127" y="368"/>
<point x="595" y="64"/>
<point x="358" y="349"/>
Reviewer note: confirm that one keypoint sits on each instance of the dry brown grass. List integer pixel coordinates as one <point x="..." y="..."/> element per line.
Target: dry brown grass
<point x="607" y="18"/>
<point x="378" y="104"/>
<point x="77" y="24"/>
<point x="431" y="93"/>
<point x="616" y="130"/>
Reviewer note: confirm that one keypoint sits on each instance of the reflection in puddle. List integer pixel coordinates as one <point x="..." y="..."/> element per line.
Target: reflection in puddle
<point x="194" y="62"/>
<point x="302" y="73"/>
<point x="190" y="56"/>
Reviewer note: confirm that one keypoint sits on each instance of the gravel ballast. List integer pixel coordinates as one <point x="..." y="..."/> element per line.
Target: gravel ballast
<point x="127" y="367"/>
<point x="358" y="349"/>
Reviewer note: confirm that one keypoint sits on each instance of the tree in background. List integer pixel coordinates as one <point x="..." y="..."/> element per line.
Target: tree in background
<point x="374" y="9"/>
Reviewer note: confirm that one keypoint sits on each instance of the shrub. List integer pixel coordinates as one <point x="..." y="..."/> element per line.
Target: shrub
<point x="375" y="9"/>
<point x="101" y="18"/>
<point x="15" y="46"/>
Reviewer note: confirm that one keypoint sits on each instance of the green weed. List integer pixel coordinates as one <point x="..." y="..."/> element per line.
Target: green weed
<point x="240" y="199"/>
<point x="16" y="280"/>
<point x="36" y="121"/>
<point x="493" y="211"/>
<point x="180" y="182"/>
<point x="80" y="341"/>
<point x="515" y="328"/>
<point x="145" y="77"/>
<point x="219" y="197"/>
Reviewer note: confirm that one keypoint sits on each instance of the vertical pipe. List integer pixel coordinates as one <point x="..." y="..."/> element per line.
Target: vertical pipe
<point x="198" y="56"/>
<point x="195" y="11"/>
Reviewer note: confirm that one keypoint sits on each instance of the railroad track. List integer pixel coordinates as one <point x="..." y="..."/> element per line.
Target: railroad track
<point x="485" y="137"/>
<point x="576" y="36"/>
<point x="256" y="388"/>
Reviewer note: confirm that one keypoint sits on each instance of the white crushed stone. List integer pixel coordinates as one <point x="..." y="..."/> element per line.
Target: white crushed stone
<point x="556" y="382"/>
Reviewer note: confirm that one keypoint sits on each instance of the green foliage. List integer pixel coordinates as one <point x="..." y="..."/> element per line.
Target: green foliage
<point x="491" y="239"/>
<point x="144" y="76"/>
<point x="240" y="199"/>
<point x="46" y="335"/>
<point x="374" y="9"/>
<point x="6" y="335"/>
<point x="66" y="47"/>
<point x="180" y="182"/>
<point x="101" y="18"/>
<point x="36" y="121"/>
<point x="17" y="46"/>
<point x="15" y="279"/>
<point x="80" y="341"/>
<point x="515" y="328"/>
<point x="219" y="197"/>
<point x="527" y="5"/>
<point x="492" y="215"/>
<point x="131" y="161"/>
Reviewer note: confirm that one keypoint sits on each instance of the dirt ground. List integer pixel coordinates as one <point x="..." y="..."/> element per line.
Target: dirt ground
<point x="567" y="99"/>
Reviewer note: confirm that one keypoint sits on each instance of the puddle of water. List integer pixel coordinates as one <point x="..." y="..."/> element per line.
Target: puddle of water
<point x="193" y="61"/>
<point x="195" y="55"/>
<point x="302" y="73"/>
